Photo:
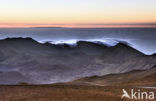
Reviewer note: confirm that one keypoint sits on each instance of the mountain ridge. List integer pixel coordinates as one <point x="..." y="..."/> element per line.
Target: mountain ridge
<point x="78" y="43"/>
<point x="51" y="63"/>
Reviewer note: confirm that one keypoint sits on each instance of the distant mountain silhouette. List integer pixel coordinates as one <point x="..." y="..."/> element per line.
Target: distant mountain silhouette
<point x="50" y="63"/>
<point x="48" y="27"/>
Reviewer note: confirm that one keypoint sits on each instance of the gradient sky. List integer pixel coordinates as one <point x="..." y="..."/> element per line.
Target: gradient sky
<point x="17" y="13"/>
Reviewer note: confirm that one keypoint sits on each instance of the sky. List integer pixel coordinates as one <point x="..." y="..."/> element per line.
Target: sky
<point x="77" y="13"/>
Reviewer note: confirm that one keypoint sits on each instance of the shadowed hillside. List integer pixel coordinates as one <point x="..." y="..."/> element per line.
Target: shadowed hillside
<point x="132" y="78"/>
<point x="34" y="62"/>
<point x="25" y="61"/>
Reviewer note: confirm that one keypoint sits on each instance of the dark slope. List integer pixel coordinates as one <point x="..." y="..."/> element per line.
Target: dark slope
<point x="12" y="77"/>
<point x="133" y="78"/>
<point x="49" y="63"/>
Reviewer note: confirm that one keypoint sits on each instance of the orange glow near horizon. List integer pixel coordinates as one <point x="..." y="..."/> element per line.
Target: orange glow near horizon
<point x="82" y="26"/>
<point x="77" y="13"/>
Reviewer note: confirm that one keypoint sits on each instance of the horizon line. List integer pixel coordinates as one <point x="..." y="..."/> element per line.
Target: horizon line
<point x="108" y="25"/>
